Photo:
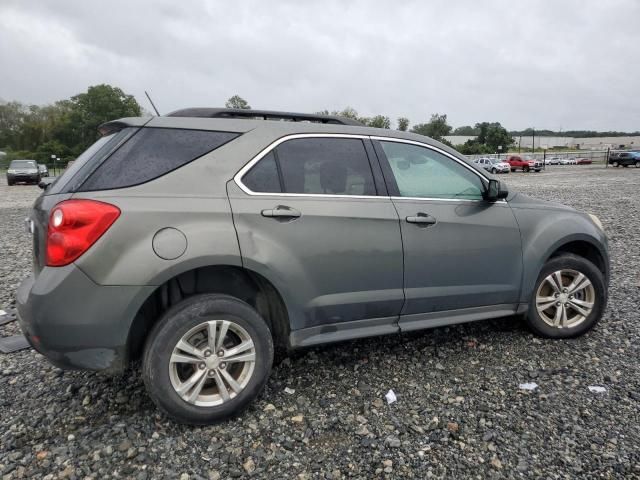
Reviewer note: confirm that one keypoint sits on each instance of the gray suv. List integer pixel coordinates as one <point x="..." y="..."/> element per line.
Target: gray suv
<point x="204" y="241"/>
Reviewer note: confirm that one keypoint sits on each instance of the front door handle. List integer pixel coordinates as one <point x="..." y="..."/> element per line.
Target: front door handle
<point x="422" y="218"/>
<point x="282" y="212"/>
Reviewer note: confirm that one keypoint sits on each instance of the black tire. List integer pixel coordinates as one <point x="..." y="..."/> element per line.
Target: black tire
<point x="175" y="323"/>
<point x="615" y="164"/>
<point x="638" y="164"/>
<point x="525" y="169"/>
<point x="494" y="171"/>
<point x="10" y="183"/>
<point x="579" y="264"/>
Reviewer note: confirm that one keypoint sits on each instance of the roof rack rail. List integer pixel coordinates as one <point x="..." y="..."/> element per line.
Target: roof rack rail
<point x="262" y="114"/>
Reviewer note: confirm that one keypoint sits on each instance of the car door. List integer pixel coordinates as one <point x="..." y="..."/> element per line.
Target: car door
<point x="313" y="217"/>
<point x="462" y="255"/>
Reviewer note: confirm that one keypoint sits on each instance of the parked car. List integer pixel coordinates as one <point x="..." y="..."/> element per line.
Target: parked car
<point x="516" y="162"/>
<point x="245" y="236"/>
<point x="44" y="171"/>
<point x="493" y="165"/>
<point x="568" y="161"/>
<point x="583" y="161"/>
<point x="23" y="171"/>
<point x="552" y="161"/>
<point x="624" y="159"/>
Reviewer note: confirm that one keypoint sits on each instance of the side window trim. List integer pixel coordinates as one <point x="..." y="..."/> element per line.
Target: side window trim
<point x="272" y="147"/>
<point x="392" y="186"/>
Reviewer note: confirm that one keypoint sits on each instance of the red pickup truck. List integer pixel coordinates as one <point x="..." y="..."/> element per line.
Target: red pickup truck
<point x="517" y="162"/>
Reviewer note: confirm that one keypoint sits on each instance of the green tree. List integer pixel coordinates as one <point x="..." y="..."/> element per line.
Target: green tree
<point x="11" y="119"/>
<point x="87" y="111"/>
<point x="436" y="128"/>
<point x="237" y="102"/>
<point x="473" y="147"/>
<point x="494" y="135"/>
<point x="466" y="130"/>
<point x="379" y="121"/>
<point x="403" y="124"/>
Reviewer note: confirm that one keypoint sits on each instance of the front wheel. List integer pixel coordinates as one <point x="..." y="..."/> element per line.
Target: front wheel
<point x="494" y="171"/>
<point x="615" y="164"/>
<point x="569" y="298"/>
<point x="207" y="358"/>
<point x="638" y="164"/>
<point x="525" y="169"/>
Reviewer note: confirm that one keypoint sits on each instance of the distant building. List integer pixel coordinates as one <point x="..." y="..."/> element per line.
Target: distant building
<point x="588" y="143"/>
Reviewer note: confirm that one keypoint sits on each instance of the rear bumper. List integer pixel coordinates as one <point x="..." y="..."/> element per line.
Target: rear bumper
<point x="76" y="323"/>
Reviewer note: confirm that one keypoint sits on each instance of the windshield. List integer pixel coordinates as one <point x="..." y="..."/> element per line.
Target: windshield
<point x="23" y="164"/>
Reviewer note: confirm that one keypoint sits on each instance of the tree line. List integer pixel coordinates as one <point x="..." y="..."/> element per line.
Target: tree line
<point x="67" y="127"/>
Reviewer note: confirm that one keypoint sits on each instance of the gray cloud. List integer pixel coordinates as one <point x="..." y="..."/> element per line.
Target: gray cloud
<point x="542" y="63"/>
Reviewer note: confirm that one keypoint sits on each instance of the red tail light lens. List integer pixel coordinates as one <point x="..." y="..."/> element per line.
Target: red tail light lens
<point x="75" y="225"/>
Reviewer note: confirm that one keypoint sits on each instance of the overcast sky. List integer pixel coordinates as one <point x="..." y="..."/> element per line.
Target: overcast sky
<point x="547" y="64"/>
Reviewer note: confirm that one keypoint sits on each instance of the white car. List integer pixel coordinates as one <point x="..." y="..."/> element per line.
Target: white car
<point x="493" y="165"/>
<point x="552" y="161"/>
<point x="568" y="161"/>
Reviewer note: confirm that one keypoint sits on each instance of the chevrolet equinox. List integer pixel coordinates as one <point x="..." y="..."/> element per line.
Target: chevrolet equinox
<point x="203" y="241"/>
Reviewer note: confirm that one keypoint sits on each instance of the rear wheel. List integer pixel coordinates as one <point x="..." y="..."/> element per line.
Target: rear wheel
<point x="525" y="169"/>
<point x="615" y="164"/>
<point x="207" y="358"/>
<point x="638" y="164"/>
<point x="569" y="298"/>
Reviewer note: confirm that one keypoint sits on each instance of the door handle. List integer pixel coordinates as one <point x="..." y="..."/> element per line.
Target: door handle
<point x="422" y="218"/>
<point x="281" y="211"/>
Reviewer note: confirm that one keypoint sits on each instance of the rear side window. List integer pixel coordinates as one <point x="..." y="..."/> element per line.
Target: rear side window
<point x="151" y="153"/>
<point x="326" y="166"/>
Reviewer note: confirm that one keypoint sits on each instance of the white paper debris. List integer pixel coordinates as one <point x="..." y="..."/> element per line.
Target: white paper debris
<point x="391" y="397"/>
<point x="2" y="313"/>
<point x="528" y="386"/>
<point x="597" y="389"/>
<point x="290" y="391"/>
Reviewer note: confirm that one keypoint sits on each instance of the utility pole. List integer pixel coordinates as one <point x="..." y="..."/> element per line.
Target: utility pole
<point x="533" y="143"/>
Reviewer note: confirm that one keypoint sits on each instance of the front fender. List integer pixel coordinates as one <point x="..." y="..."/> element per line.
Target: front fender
<point x="545" y="231"/>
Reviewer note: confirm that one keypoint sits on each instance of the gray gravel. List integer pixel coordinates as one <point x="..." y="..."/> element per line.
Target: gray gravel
<point x="459" y="411"/>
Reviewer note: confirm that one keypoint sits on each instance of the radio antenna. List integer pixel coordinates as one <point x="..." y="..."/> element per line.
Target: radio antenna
<point x="152" y="104"/>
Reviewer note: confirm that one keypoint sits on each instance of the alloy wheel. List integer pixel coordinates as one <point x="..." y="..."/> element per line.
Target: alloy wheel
<point x="212" y="363"/>
<point x="565" y="298"/>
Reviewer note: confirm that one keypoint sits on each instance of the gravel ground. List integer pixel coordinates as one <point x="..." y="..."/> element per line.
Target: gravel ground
<point x="459" y="412"/>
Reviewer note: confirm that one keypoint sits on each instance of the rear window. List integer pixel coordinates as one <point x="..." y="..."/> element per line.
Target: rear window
<point x="151" y="153"/>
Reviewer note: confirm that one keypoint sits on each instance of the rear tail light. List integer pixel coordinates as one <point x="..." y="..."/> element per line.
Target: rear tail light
<point x="75" y="225"/>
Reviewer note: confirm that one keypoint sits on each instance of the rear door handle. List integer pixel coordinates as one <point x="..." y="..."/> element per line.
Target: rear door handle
<point x="422" y="218"/>
<point x="281" y="211"/>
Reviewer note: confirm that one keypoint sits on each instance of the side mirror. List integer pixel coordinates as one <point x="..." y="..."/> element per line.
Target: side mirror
<point x="45" y="183"/>
<point x="496" y="190"/>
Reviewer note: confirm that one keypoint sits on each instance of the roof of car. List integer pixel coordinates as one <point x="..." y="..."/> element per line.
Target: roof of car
<point x="199" y="120"/>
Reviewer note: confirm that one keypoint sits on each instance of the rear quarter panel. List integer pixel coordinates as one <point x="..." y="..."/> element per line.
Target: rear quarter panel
<point x="125" y="254"/>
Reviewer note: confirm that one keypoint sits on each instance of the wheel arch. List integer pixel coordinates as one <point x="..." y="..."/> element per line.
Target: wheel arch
<point x="580" y="244"/>
<point x="237" y="281"/>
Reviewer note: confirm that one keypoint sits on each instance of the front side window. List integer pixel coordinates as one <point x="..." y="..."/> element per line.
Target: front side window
<point x="326" y="166"/>
<point x="424" y="173"/>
